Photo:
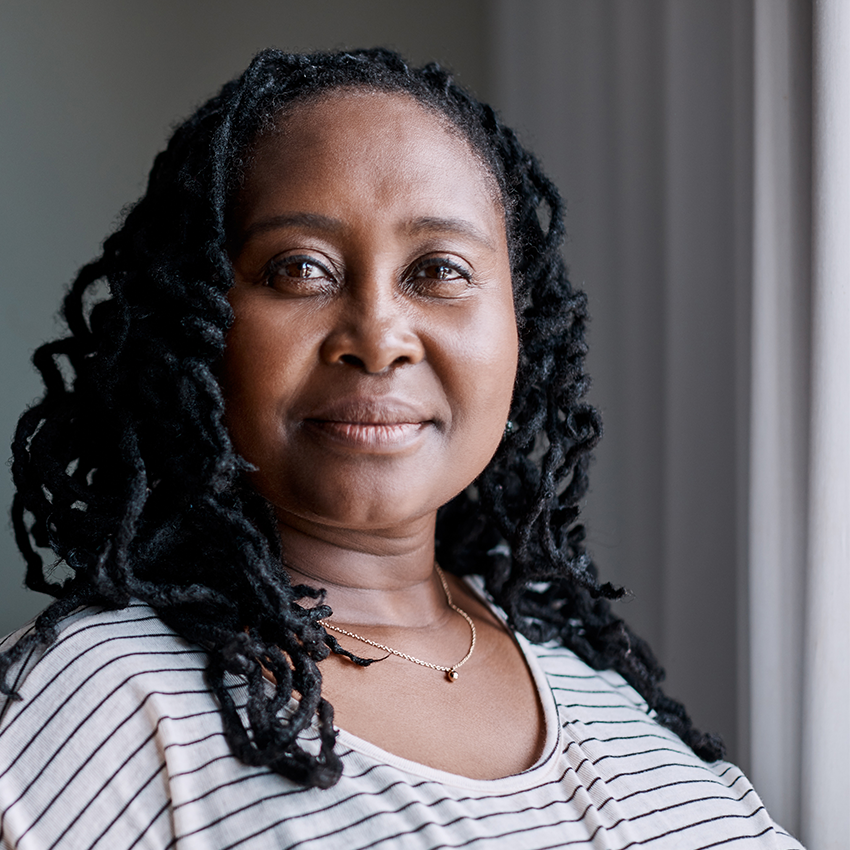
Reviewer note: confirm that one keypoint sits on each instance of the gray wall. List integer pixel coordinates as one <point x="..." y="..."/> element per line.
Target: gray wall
<point x="88" y="91"/>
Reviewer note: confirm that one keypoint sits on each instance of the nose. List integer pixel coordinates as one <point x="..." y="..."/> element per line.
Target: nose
<point x="373" y="331"/>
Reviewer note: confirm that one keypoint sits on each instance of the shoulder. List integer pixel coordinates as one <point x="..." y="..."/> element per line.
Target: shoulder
<point x="642" y="775"/>
<point x="97" y="652"/>
<point x="105" y="671"/>
<point x="645" y="772"/>
<point x="87" y="741"/>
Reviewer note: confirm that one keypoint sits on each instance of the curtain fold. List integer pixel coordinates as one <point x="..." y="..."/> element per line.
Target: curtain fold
<point x="826" y="694"/>
<point x="779" y="401"/>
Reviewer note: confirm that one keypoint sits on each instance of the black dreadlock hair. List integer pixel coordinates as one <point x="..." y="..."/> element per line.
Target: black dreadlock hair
<point x="127" y="472"/>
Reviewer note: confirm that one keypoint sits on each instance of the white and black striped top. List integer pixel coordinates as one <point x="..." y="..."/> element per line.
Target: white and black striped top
<point x="118" y="743"/>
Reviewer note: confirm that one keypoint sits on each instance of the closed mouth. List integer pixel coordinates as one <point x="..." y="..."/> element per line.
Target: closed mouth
<point x="370" y="424"/>
<point x="368" y="435"/>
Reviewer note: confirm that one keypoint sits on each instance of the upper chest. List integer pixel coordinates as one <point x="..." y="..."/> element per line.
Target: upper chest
<point x="487" y="724"/>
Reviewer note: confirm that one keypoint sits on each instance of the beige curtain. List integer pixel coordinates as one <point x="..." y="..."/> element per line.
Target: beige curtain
<point x="779" y="403"/>
<point x="826" y="697"/>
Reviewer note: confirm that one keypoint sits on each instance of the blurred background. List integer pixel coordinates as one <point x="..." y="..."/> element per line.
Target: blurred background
<point x="680" y="133"/>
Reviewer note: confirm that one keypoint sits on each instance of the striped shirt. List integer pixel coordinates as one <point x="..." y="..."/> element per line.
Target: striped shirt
<point x="118" y="743"/>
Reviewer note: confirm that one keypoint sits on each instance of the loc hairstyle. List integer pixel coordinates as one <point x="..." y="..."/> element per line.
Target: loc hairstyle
<point x="126" y="470"/>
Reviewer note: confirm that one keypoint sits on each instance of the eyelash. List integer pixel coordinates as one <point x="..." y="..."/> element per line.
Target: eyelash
<point x="411" y="279"/>
<point x="441" y="262"/>
<point x="275" y="266"/>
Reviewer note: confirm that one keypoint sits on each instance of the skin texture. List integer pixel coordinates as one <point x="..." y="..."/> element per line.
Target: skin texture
<point x="368" y="376"/>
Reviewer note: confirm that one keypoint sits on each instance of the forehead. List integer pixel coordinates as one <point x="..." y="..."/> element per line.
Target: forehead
<point x="386" y="146"/>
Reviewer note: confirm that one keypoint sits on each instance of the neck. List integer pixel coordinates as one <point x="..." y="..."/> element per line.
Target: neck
<point x="378" y="578"/>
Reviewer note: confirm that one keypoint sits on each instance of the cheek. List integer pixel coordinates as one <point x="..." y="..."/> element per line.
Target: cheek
<point x="256" y="369"/>
<point x="486" y="371"/>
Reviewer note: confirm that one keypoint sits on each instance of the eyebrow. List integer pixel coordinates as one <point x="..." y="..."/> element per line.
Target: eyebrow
<point x="327" y="224"/>
<point x="460" y="226"/>
<point x="314" y="221"/>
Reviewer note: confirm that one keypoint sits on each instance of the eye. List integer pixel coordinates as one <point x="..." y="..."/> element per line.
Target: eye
<point x="440" y="277"/>
<point x="300" y="274"/>
<point x="440" y="270"/>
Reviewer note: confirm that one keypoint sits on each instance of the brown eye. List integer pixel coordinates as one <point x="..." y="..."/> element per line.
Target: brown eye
<point x="303" y="269"/>
<point x="440" y="277"/>
<point x="439" y="270"/>
<point x="298" y="275"/>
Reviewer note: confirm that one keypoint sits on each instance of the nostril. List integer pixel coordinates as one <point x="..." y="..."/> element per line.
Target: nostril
<point x="374" y="346"/>
<point x="357" y="362"/>
<point x="352" y="360"/>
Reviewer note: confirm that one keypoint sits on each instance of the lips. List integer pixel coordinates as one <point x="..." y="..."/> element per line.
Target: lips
<point x="369" y="423"/>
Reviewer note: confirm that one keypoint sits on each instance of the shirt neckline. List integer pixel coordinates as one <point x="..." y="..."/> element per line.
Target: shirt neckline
<point x="533" y="775"/>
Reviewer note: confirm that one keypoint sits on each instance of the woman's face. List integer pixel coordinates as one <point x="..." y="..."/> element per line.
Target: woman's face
<point x="369" y="371"/>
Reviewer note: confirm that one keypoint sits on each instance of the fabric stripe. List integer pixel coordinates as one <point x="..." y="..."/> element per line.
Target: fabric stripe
<point x="119" y="743"/>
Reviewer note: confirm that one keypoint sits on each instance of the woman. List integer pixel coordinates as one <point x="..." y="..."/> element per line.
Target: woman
<point x="338" y="350"/>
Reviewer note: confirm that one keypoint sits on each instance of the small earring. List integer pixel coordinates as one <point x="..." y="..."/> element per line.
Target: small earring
<point x="510" y="427"/>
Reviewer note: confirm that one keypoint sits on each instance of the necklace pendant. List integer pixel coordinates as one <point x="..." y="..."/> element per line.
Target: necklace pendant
<point x="452" y="675"/>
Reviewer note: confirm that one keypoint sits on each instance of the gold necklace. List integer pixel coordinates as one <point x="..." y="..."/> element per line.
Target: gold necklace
<point x="451" y="672"/>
